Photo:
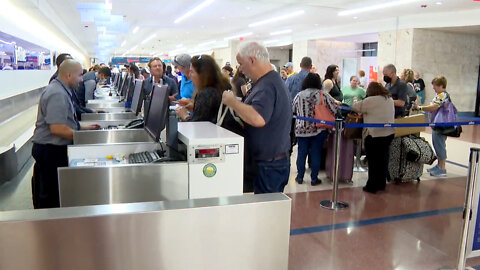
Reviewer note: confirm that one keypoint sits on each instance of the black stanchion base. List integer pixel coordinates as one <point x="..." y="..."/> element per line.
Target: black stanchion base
<point x="330" y="205"/>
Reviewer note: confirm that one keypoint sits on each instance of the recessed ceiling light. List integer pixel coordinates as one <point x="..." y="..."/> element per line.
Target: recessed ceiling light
<point x="270" y="41"/>
<point x="316" y="24"/>
<point x="355" y="17"/>
<point x="274" y="19"/>
<point x="207" y="43"/>
<point x="281" y="32"/>
<point x="375" y="7"/>
<point x="248" y="8"/>
<point x="439" y="3"/>
<point x="194" y="10"/>
<point x="148" y="39"/>
<point x="239" y="36"/>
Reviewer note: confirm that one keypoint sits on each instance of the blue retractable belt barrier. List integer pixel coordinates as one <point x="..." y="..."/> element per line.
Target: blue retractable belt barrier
<point x="474" y="121"/>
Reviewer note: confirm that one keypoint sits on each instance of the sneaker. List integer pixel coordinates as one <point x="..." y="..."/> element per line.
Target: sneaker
<point x="298" y="180"/>
<point x="434" y="168"/>
<point x="438" y="173"/>
<point x="316" y="182"/>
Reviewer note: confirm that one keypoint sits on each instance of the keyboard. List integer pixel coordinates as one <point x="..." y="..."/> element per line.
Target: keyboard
<point x="145" y="157"/>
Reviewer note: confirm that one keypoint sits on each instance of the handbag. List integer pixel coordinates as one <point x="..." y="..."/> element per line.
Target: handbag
<point x="322" y="112"/>
<point x="353" y="133"/>
<point x="446" y="113"/>
<point x="226" y="118"/>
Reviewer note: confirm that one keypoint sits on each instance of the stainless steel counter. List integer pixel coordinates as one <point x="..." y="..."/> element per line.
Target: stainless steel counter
<point x="239" y="232"/>
<point x="80" y="186"/>
<point x="109" y="116"/>
<point x="105" y="105"/>
<point x="110" y="136"/>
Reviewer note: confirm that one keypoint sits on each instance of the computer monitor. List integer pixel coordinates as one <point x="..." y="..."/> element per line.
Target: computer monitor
<point x="131" y="87"/>
<point x="118" y="82"/>
<point x="114" y="79"/>
<point x="156" y="118"/>
<point x="138" y="97"/>
<point x="124" y="88"/>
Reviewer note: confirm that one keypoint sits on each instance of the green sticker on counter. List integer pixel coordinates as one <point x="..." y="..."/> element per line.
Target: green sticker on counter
<point x="209" y="170"/>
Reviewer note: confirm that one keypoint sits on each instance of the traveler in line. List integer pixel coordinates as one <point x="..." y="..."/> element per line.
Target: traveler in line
<point x="439" y="141"/>
<point x="210" y="83"/>
<point x="397" y="88"/>
<point x="267" y="111"/>
<point x="377" y="107"/>
<point x="332" y="75"/>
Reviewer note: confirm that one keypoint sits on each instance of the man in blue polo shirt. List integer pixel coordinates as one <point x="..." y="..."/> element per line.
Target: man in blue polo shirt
<point x="267" y="111"/>
<point x="182" y="62"/>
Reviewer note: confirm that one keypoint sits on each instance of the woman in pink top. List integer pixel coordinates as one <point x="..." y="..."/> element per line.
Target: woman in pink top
<point x="377" y="107"/>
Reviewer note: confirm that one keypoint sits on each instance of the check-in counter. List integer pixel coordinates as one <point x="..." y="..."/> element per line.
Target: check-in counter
<point x="109" y="107"/>
<point x="238" y="232"/>
<point x="109" y="116"/>
<point x="104" y="100"/>
<point x="107" y="123"/>
<point x="208" y="164"/>
<point x="116" y="98"/>
<point x="110" y="136"/>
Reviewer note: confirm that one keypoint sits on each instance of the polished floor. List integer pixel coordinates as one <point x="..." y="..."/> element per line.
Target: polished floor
<point x="409" y="226"/>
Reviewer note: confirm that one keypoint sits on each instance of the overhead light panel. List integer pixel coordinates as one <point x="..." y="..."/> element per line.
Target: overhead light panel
<point x="108" y="5"/>
<point x="207" y="43"/>
<point x="135" y="30"/>
<point x="148" y="38"/>
<point x="239" y="36"/>
<point x="375" y="7"/>
<point x="279" y="18"/>
<point x="270" y="41"/>
<point x="281" y="32"/>
<point x="194" y="10"/>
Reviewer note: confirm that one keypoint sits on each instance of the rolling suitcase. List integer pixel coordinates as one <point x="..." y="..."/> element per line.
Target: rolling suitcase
<point x="345" y="169"/>
<point x="400" y="168"/>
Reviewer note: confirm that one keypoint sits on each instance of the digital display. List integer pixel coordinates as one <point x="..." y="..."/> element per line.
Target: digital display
<point x="207" y="153"/>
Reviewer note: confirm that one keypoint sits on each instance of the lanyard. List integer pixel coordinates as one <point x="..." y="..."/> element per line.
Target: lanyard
<point x="73" y="103"/>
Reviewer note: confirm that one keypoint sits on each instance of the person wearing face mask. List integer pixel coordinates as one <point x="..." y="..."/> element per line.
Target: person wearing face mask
<point x="397" y="88"/>
<point x="56" y="122"/>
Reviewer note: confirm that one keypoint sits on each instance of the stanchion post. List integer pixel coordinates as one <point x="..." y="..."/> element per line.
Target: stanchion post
<point x="467" y="210"/>
<point x="334" y="204"/>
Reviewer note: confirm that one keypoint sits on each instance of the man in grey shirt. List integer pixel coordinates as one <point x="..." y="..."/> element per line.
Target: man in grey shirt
<point x="56" y="122"/>
<point x="397" y="88"/>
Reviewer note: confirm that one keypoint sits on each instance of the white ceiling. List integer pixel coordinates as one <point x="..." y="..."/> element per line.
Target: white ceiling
<point x="225" y="18"/>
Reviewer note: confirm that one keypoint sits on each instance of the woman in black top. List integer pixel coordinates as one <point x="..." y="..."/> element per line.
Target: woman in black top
<point x="332" y="74"/>
<point x="210" y="84"/>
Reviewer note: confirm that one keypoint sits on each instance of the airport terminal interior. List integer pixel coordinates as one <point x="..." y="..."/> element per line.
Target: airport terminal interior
<point x="147" y="186"/>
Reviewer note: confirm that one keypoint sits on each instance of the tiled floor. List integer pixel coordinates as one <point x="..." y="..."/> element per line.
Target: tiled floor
<point x="408" y="226"/>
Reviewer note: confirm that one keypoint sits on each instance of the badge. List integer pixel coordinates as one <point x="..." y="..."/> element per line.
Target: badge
<point x="209" y="170"/>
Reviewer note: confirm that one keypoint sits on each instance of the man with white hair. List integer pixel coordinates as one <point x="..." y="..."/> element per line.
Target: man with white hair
<point x="267" y="112"/>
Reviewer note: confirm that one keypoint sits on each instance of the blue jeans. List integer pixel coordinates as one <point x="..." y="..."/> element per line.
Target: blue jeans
<point x="421" y="94"/>
<point x="272" y="176"/>
<point x="311" y="146"/>
<point x="439" y="144"/>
